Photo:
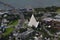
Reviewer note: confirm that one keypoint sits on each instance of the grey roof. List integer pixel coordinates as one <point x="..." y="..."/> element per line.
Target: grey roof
<point x="47" y="19"/>
<point x="57" y="16"/>
<point x="1" y="13"/>
<point x="57" y="20"/>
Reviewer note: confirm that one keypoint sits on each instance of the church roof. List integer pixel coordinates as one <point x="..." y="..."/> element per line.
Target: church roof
<point x="33" y="22"/>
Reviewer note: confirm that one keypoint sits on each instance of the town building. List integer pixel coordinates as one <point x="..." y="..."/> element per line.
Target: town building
<point x="33" y="22"/>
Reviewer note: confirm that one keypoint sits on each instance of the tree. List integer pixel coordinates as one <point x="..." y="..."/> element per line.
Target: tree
<point x="53" y="14"/>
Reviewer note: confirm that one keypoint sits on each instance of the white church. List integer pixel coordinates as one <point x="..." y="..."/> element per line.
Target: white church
<point x="33" y="22"/>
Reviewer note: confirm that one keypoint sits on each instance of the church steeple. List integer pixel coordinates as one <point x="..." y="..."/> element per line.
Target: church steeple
<point x="33" y="21"/>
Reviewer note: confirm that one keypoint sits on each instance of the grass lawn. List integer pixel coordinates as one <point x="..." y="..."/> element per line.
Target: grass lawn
<point x="8" y="31"/>
<point x="58" y="11"/>
<point x="14" y="23"/>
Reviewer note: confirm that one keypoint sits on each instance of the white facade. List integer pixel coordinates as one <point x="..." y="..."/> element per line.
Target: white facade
<point x="35" y="38"/>
<point x="1" y="13"/>
<point x="58" y="20"/>
<point x="33" y="22"/>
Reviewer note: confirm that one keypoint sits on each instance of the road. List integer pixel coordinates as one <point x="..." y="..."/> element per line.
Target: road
<point x="49" y="32"/>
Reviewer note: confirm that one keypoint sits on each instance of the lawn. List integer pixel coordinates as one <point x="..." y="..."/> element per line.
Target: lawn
<point x="14" y="23"/>
<point x="58" y="11"/>
<point x="8" y="31"/>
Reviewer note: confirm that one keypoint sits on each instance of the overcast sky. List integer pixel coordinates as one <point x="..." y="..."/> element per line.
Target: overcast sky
<point x="32" y="3"/>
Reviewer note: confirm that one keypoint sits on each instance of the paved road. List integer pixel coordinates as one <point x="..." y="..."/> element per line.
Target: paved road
<point x="49" y="32"/>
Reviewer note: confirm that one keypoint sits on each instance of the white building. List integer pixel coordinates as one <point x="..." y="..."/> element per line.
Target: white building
<point x="35" y="38"/>
<point x="47" y="19"/>
<point x="1" y="13"/>
<point x="57" y="16"/>
<point x="33" y="22"/>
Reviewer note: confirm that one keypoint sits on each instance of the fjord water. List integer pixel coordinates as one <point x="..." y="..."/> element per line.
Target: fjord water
<point x="32" y="3"/>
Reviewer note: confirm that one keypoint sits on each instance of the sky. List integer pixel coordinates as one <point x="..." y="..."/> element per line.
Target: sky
<point x="32" y="3"/>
